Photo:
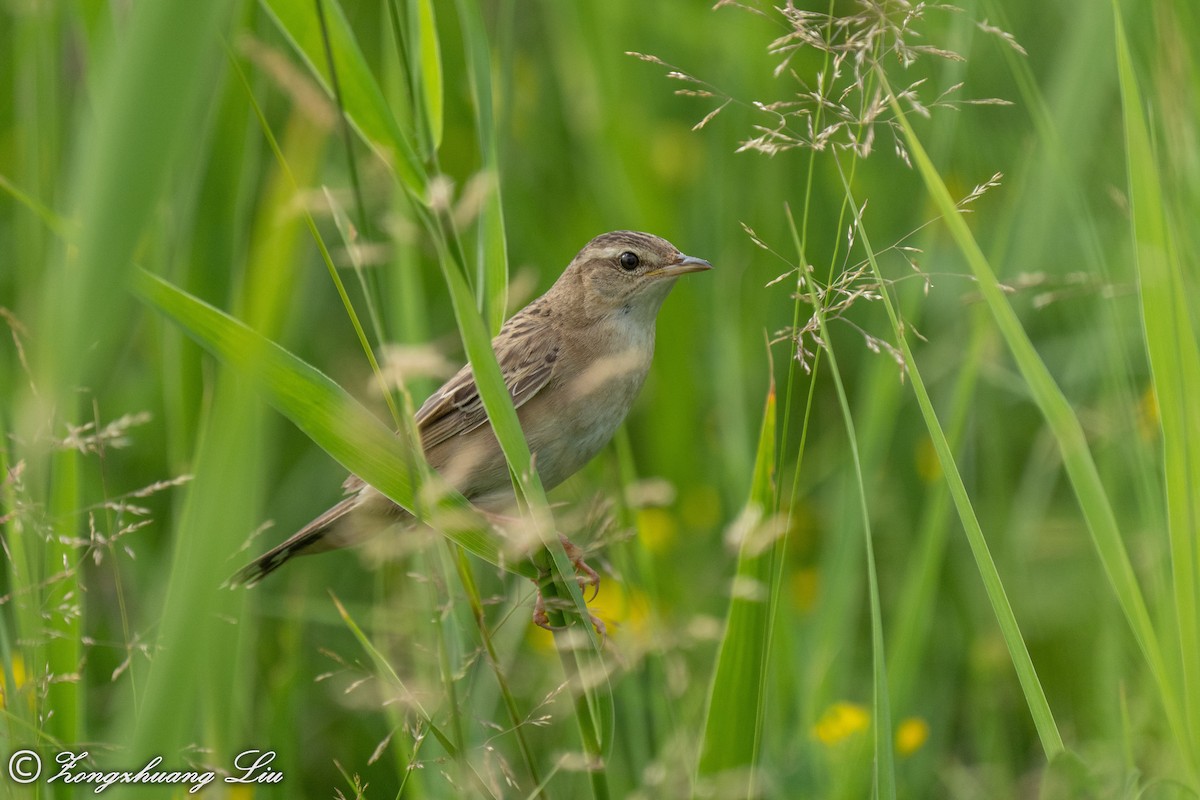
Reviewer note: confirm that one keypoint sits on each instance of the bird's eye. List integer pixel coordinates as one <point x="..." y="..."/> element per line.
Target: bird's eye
<point x="629" y="261"/>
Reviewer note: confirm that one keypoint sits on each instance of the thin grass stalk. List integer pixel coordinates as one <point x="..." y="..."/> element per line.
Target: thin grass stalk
<point x="448" y="642"/>
<point x="840" y="598"/>
<point x="14" y="722"/>
<point x="384" y="668"/>
<point x="343" y="122"/>
<point x="64" y="602"/>
<point x="398" y="39"/>
<point x="53" y="221"/>
<point x="839" y="584"/>
<point x="467" y="578"/>
<point x="592" y="700"/>
<point x="884" y="784"/>
<point x="368" y="282"/>
<point x="311" y="223"/>
<point x="636" y="562"/>
<point x="20" y="717"/>
<point x="801" y="243"/>
<point x="364" y="102"/>
<point x="25" y="592"/>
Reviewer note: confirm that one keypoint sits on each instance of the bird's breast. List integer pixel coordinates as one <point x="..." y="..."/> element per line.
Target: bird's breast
<point x="578" y="414"/>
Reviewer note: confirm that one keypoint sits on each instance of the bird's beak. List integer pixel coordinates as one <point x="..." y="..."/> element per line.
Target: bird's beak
<point x="681" y="266"/>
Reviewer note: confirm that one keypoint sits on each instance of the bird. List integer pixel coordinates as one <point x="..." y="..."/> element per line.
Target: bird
<point x="573" y="361"/>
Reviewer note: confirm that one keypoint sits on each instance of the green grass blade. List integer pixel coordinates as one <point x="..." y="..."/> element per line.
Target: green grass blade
<point x="1060" y="417"/>
<point x="319" y="407"/>
<point x="142" y="98"/>
<point x="143" y="108"/>
<point x="344" y="228"/>
<point x="365" y="104"/>
<point x="915" y="608"/>
<point x="733" y="726"/>
<point x="492" y="248"/>
<point x="1175" y="368"/>
<point x="429" y="71"/>
<point x="1031" y="685"/>
<point x="193" y="646"/>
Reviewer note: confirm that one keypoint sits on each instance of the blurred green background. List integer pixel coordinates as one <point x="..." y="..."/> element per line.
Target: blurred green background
<point x="204" y="143"/>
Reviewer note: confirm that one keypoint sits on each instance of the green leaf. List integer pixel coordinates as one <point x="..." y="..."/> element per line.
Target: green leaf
<point x="365" y="104"/>
<point x="1061" y="419"/>
<point x="429" y="71"/>
<point x="1175" y="369"/>
<point x="737" y="698"/>
<point x="326" y="413"/>
<point x="492" y="250"/>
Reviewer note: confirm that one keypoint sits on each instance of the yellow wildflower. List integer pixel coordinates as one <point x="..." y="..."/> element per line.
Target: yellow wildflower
<point x="20" y="678"/>
<point x="911" y="734"/>
<point x="841" y="721"/>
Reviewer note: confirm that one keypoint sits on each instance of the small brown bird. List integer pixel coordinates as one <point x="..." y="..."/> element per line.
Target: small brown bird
<point x="573" y="361"/>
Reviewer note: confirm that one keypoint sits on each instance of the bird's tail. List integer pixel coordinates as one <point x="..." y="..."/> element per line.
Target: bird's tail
<point x="315" y="537"/>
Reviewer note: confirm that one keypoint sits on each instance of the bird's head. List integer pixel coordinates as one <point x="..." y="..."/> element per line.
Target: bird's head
<point x="626" y="272"/>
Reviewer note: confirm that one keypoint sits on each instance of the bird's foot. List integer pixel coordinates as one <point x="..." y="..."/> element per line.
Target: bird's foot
<point x="585" y="574"/>
<point x="542" y="620"/>
<point x="586" y="577"/>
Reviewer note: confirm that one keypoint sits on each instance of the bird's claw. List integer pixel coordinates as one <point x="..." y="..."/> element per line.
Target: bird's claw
<point x="542" y="619"/>
<point x="586" y="577"/>
<point x="589" y="576"/>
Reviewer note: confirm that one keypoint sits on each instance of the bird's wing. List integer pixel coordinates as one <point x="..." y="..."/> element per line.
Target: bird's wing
<point x="527" y="352"/>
